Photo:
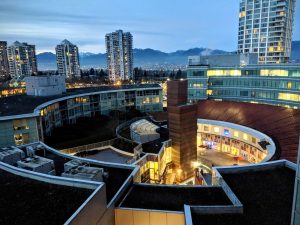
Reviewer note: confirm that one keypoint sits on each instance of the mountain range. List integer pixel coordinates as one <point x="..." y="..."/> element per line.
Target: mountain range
<point x="144" y="57"/>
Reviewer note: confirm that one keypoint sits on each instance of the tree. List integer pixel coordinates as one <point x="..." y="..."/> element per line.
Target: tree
<point x="92" y="71"/>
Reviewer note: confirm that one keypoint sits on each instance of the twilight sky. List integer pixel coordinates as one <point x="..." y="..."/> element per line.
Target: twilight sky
<point x="166" y="25"/>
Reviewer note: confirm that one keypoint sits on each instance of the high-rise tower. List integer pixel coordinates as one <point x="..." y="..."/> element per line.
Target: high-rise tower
<point x="67" y="59"/>
<point x="265" y="28"/>
<point x="22" y="60"/>
<point x="119" y="55"/>
<point x="4" y="68"/>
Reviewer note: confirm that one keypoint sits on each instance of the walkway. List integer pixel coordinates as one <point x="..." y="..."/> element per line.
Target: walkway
<point x="221" y="158"/>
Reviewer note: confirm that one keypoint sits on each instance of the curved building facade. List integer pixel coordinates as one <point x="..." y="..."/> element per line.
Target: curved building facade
<point x="25" y="119"/>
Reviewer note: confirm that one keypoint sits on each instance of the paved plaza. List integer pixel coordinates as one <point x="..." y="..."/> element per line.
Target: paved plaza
<point x="221" y="158"/>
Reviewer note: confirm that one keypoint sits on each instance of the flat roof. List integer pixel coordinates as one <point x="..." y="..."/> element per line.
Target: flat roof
<point x="266" y="195"/>
<point x="172" y="198"/>
<point x="116" y="176"/>
<point x="26" y="201"/>
<point x="286" y="66"/>
<point x="24" y="104"/>
<point x="106" y="155"/>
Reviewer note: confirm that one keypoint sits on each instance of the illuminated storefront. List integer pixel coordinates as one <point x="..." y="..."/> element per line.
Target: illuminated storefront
<point x="238" y="141"/>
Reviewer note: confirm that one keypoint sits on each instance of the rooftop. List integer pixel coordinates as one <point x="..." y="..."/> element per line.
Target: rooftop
<point x="115" y="180"/>
<point x="172" y="198"/>
<point x="106" y="155"/>
<point x="266" y="195"/>
<point x="32" y="202"/>
<point x="24" y="104"/>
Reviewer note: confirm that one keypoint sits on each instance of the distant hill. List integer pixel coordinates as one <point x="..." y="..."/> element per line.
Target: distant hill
<point x="295" y="51"/>
<point x="144" y="57"/>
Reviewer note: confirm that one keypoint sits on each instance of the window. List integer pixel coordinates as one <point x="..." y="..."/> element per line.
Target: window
<point x="245" y="136"/>
<point x="273" y="73"/>
<point x="216" y="129"/>
<point x="20" y="124"/>
<point x="206" y="128"/>
<point x="236" y="134"/>
<point x="226" y="132"/>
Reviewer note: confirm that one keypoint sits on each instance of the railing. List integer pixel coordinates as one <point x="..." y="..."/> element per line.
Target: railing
<point x="82" y="148"/>
<point x="124" y="125"/>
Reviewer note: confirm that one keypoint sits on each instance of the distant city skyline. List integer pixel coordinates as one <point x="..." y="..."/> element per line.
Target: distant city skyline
<point x="167" y="25"/>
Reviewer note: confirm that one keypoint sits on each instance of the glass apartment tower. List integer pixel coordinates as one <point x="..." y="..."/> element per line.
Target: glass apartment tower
<point x="22" y="60"/>
<point x="265" y="28"/>
<point x="119" y="55"/>
<point x="67" y="59"/>
<point x="4" y="69"/>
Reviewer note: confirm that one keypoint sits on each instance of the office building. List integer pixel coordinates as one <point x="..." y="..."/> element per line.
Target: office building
<point x="67" y="59"/>
<point x="269" y="84"/>
<point x="4" y="68"/>
<point x="265" y="28"/>
<point x="22" y="60"/>
<point x="119" y="55"/>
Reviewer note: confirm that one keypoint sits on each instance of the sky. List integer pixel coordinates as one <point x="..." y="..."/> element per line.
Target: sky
<point x="166" y="25"/>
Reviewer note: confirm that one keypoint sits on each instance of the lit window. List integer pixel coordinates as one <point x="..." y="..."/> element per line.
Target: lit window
<point x="274" y="73"/>
<point x="245" y="136"/>
<point x="236" y="134"/>
<point x="242" y="14"/>
<point x="289" y="85"/>
<point x="289" y="97"/>
<point x="216" y="129"/>
<point x="209" y="92"/>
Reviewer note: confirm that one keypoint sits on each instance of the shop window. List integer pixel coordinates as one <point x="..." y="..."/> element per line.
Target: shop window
<point x="236" y="134"/>
<point x="226" y="132"/>
<point x="216" y="129"/>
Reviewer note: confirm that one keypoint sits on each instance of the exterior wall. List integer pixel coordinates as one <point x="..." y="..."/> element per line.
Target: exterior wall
<point x="9" y="131"/>
<point x="224" y="60"/>
<point x="148" y="217"/>
<point x="119" y="55"/>
<point x="265" y="28"/>
<point x="92" y="210"/>
<point x="67" y="110"/>
<point x="45" y="85"/>
<point x="276" y="85"/>
<point x="182" y="128"/>
<point x="296" y="201"/>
